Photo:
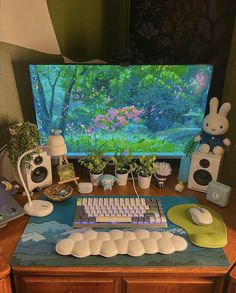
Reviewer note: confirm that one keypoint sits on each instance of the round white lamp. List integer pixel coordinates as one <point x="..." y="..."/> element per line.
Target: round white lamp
<point x="56" y="146"/>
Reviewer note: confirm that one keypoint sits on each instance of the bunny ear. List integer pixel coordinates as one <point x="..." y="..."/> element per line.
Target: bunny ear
<point x="214" y="103"/>
<point x="224" y="109"/>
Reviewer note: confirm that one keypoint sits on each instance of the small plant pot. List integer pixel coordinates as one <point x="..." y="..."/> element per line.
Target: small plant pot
<point x="122" y="177"/>
<point x="144" y="182"/>
<point x="94" y="178"/>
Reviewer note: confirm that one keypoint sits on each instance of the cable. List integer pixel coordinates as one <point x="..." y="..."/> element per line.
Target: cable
<point x="3" y="148"/>
<point x="135" y="190"/>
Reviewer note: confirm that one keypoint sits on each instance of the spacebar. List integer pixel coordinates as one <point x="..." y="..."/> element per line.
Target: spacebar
<point x="113" y="219"/>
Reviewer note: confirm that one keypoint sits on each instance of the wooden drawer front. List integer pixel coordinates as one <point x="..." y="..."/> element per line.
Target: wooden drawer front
<point x="231" y="288"/>
<point x="173" y="285"/>
<point x="34" y="284"/>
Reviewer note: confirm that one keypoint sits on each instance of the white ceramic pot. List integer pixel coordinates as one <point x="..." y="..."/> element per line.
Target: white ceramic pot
<point x="144" y="182"/>
<point x="122" y="178"/>
<point x="94" y="178"/>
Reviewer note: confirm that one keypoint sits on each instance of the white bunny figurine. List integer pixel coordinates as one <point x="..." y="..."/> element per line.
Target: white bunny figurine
<point x="215" y="125"/>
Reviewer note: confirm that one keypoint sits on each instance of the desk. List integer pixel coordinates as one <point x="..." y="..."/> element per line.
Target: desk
<point x="232" y="281"/>
<point x="124" y="279"/>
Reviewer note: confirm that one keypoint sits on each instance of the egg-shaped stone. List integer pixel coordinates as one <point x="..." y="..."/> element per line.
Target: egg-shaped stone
<point x="76" y="236"/>
<point x="81" y="248"/>
<point x="165" y="246"/>
<point x="65" y="246"/>
<point x="179" y="243"/>
<point x="95" y="246"/>
<point x="90" y="234"/>
<point x="108" y="248"/>
<point x="135" y="248"/>
<point x="122" y="245"/>
<point x="150" y="245"/>
<point x="141" y="234"/>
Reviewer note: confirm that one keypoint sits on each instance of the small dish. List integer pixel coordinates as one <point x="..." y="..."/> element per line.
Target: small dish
<point x="58" y="192"/>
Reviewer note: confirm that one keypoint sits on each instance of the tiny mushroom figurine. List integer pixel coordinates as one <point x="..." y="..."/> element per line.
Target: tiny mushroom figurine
<point x="107" y="181"/>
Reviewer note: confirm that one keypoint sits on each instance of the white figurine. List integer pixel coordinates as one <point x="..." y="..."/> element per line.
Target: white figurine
<point x="215" y="125"/>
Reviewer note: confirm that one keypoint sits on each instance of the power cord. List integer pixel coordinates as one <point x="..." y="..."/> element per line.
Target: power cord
<point x="135" y="190"/>
<point x="3" y="148"/>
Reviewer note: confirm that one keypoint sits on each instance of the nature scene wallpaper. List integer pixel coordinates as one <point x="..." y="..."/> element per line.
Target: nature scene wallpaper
<point x="140" y="108"/>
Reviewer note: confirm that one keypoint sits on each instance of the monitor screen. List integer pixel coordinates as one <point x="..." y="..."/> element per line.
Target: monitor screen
<point x="144" y="109"/>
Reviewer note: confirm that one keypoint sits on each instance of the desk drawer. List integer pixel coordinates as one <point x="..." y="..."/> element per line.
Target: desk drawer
<point x="174" y="285"/>
<point x="50" y="284"/>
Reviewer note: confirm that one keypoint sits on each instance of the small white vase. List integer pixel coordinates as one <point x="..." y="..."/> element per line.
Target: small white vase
<point x="122" y="178"/>
<point x="144" y="182"/>
<point x="94" y="178"/>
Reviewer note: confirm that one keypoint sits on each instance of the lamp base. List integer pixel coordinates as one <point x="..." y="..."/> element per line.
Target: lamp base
<point x="38" y="208"/>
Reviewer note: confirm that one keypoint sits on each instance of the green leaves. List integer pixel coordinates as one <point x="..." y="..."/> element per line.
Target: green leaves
<point x="146" y="166"/>
<point x="21" y="138"/>
<point x="122" y="160"/>
<point x="94" y="162"/>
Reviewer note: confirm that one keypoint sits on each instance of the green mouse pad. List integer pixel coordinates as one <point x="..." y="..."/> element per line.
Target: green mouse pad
<point x="209" y="236"/>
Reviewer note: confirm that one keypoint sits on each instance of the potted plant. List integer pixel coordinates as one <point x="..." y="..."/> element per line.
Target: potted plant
<point x="95" y="163"/>
<point x="145" y="167"/>
<point x="21" y="138"/>
<point x="123" y="162"/>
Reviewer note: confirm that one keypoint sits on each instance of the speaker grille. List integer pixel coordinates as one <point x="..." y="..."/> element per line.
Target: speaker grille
<point x="38" y="160"/>
<point x="204" y="163"/>
<point x="39" y="174"/>
<point x="202" y="177"/>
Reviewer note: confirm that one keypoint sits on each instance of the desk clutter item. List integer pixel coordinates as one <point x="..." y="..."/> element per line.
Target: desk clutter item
<point x="218" y="193"/>
<point x="9" y="207"/>
<point x="210" y="236"/>
<point x="107" y="181"/>
<point x="109" y="244"/>
<point x="58" y="192"/>
<point x="122" y="212"/>
<point x="66" y="171"/>
<point x="85" y="187"/>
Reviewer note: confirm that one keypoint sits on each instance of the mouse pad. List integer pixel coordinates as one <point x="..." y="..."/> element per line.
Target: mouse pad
<point x="209" y="236"/>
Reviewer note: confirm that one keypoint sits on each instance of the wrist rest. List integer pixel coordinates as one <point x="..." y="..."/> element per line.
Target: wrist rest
<point x="108" y="244"/>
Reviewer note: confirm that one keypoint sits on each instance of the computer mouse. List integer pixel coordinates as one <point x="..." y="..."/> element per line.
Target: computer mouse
<point x="200" y="216"/>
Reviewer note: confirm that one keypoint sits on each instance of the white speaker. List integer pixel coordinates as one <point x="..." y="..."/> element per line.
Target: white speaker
<point x="204" y="168"/>
<point x="40" y="173"/>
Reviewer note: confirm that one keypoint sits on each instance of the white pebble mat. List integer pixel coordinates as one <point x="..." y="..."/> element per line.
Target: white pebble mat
<point x="108" y="244"/>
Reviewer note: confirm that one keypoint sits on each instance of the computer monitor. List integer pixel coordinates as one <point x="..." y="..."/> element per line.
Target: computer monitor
<point x="145" y="109"/>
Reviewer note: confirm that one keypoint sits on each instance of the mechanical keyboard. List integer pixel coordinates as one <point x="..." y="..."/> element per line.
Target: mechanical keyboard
<point x="119" y="212"/>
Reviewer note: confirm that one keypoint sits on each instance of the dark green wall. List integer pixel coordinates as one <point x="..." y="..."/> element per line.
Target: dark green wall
<point x="229" y="164"/>
<point x="89" y="29"/>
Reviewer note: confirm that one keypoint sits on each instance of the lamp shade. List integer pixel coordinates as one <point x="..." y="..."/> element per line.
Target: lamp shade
<point x="56" y="146"/>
